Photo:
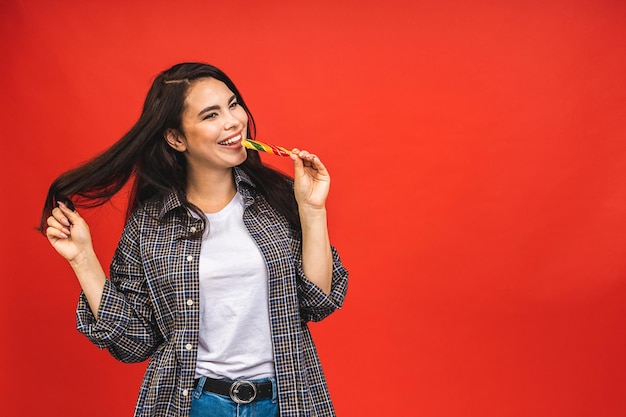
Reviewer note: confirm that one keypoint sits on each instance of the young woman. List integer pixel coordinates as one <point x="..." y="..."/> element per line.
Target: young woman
<point x="221" y="264"/>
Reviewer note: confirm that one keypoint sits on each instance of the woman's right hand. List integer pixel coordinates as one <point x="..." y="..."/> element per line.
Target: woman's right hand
<point x="69" y="234"/>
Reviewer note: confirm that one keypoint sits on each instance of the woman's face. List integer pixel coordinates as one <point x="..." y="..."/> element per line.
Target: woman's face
<point x="213" y="125"/>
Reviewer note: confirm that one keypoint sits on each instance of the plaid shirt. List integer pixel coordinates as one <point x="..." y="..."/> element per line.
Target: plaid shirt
<point x="150" y="306"/>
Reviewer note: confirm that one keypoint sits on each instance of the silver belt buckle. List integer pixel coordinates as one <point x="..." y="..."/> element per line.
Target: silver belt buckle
<point x="234" y="392"/>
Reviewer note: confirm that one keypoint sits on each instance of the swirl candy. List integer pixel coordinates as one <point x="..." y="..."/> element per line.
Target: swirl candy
<point x="264" y="147"/>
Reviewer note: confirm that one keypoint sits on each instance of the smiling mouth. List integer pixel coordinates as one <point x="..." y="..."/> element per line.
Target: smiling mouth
<point x="231" y="141"/>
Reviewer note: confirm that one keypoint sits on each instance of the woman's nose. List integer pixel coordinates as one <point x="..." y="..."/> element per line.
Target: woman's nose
<point x="232" y="121"/>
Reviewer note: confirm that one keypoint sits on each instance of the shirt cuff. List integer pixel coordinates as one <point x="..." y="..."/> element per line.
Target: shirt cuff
<point x="315" y="301"/>
<point x="111" y="322"/>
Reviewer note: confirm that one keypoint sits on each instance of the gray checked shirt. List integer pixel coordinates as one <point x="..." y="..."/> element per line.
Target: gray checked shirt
<point x="150" y="306"/>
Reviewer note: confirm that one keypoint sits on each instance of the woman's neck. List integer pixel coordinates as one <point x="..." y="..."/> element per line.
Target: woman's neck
<point x="211" y="192"/>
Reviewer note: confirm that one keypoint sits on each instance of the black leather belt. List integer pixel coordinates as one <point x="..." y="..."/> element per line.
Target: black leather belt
<point x="241" y="392"/>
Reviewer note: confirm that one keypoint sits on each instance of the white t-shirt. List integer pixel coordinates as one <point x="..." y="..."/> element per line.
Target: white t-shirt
<point x="235" y="337"/>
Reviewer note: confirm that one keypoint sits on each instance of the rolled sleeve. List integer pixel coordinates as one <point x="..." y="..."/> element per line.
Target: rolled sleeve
<point x="315" y="304"/>
<point x="128" y="335"/>
<point x="110" y="325"/>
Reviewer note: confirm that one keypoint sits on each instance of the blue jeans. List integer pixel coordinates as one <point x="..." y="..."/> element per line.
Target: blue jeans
<point x="208" y="404"/>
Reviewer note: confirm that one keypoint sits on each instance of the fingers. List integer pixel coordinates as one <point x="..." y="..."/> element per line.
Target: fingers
<point x="60" y="221"/>
<point x="304" y="155"/>
<point x="57" y="227"/>
<point x="307" y="159"/>
<point x="60" y="217"/>
<point x="71" y="215"/>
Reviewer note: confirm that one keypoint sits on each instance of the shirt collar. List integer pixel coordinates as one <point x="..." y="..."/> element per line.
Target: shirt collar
<point x="172" y="201"/>
<point x="241" y="178"/>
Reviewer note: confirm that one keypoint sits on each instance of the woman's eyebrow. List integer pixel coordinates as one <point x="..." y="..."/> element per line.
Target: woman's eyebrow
<point x="208" y="109"/>
<point x="216" y="106"/>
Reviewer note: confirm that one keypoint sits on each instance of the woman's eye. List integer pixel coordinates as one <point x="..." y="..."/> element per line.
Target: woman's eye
<point x="233" y="104"/>
<point x="210" y="116"/>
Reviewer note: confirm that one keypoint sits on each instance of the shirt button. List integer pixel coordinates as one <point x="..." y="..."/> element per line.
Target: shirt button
<point x="190" y="258"/>
<point x="189" y="302"/>
<point x="185" y="393"/>
<point x="188" y="346"/>
<point x="193" y="229"/>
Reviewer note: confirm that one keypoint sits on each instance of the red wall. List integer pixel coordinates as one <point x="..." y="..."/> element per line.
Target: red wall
<point x="478" y="156"/>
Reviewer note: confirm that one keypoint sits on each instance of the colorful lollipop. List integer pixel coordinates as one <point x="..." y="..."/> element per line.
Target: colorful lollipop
<point x="260" y="146"/>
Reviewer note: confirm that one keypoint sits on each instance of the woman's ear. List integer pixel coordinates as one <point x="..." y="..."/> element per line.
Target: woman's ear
<point x="175" y="139"/>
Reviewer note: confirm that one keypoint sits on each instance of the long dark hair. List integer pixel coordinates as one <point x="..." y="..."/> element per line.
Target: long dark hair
<point x="156" y="169"/>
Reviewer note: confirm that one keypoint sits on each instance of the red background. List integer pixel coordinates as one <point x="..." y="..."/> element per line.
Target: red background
<point x="478" y="157"/>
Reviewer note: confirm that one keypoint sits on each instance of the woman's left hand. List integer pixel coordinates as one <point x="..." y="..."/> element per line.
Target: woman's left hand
<point x="311" y="181"/>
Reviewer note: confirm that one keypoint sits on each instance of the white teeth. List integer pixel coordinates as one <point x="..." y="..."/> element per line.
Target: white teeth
<point x="231" y="140"/>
